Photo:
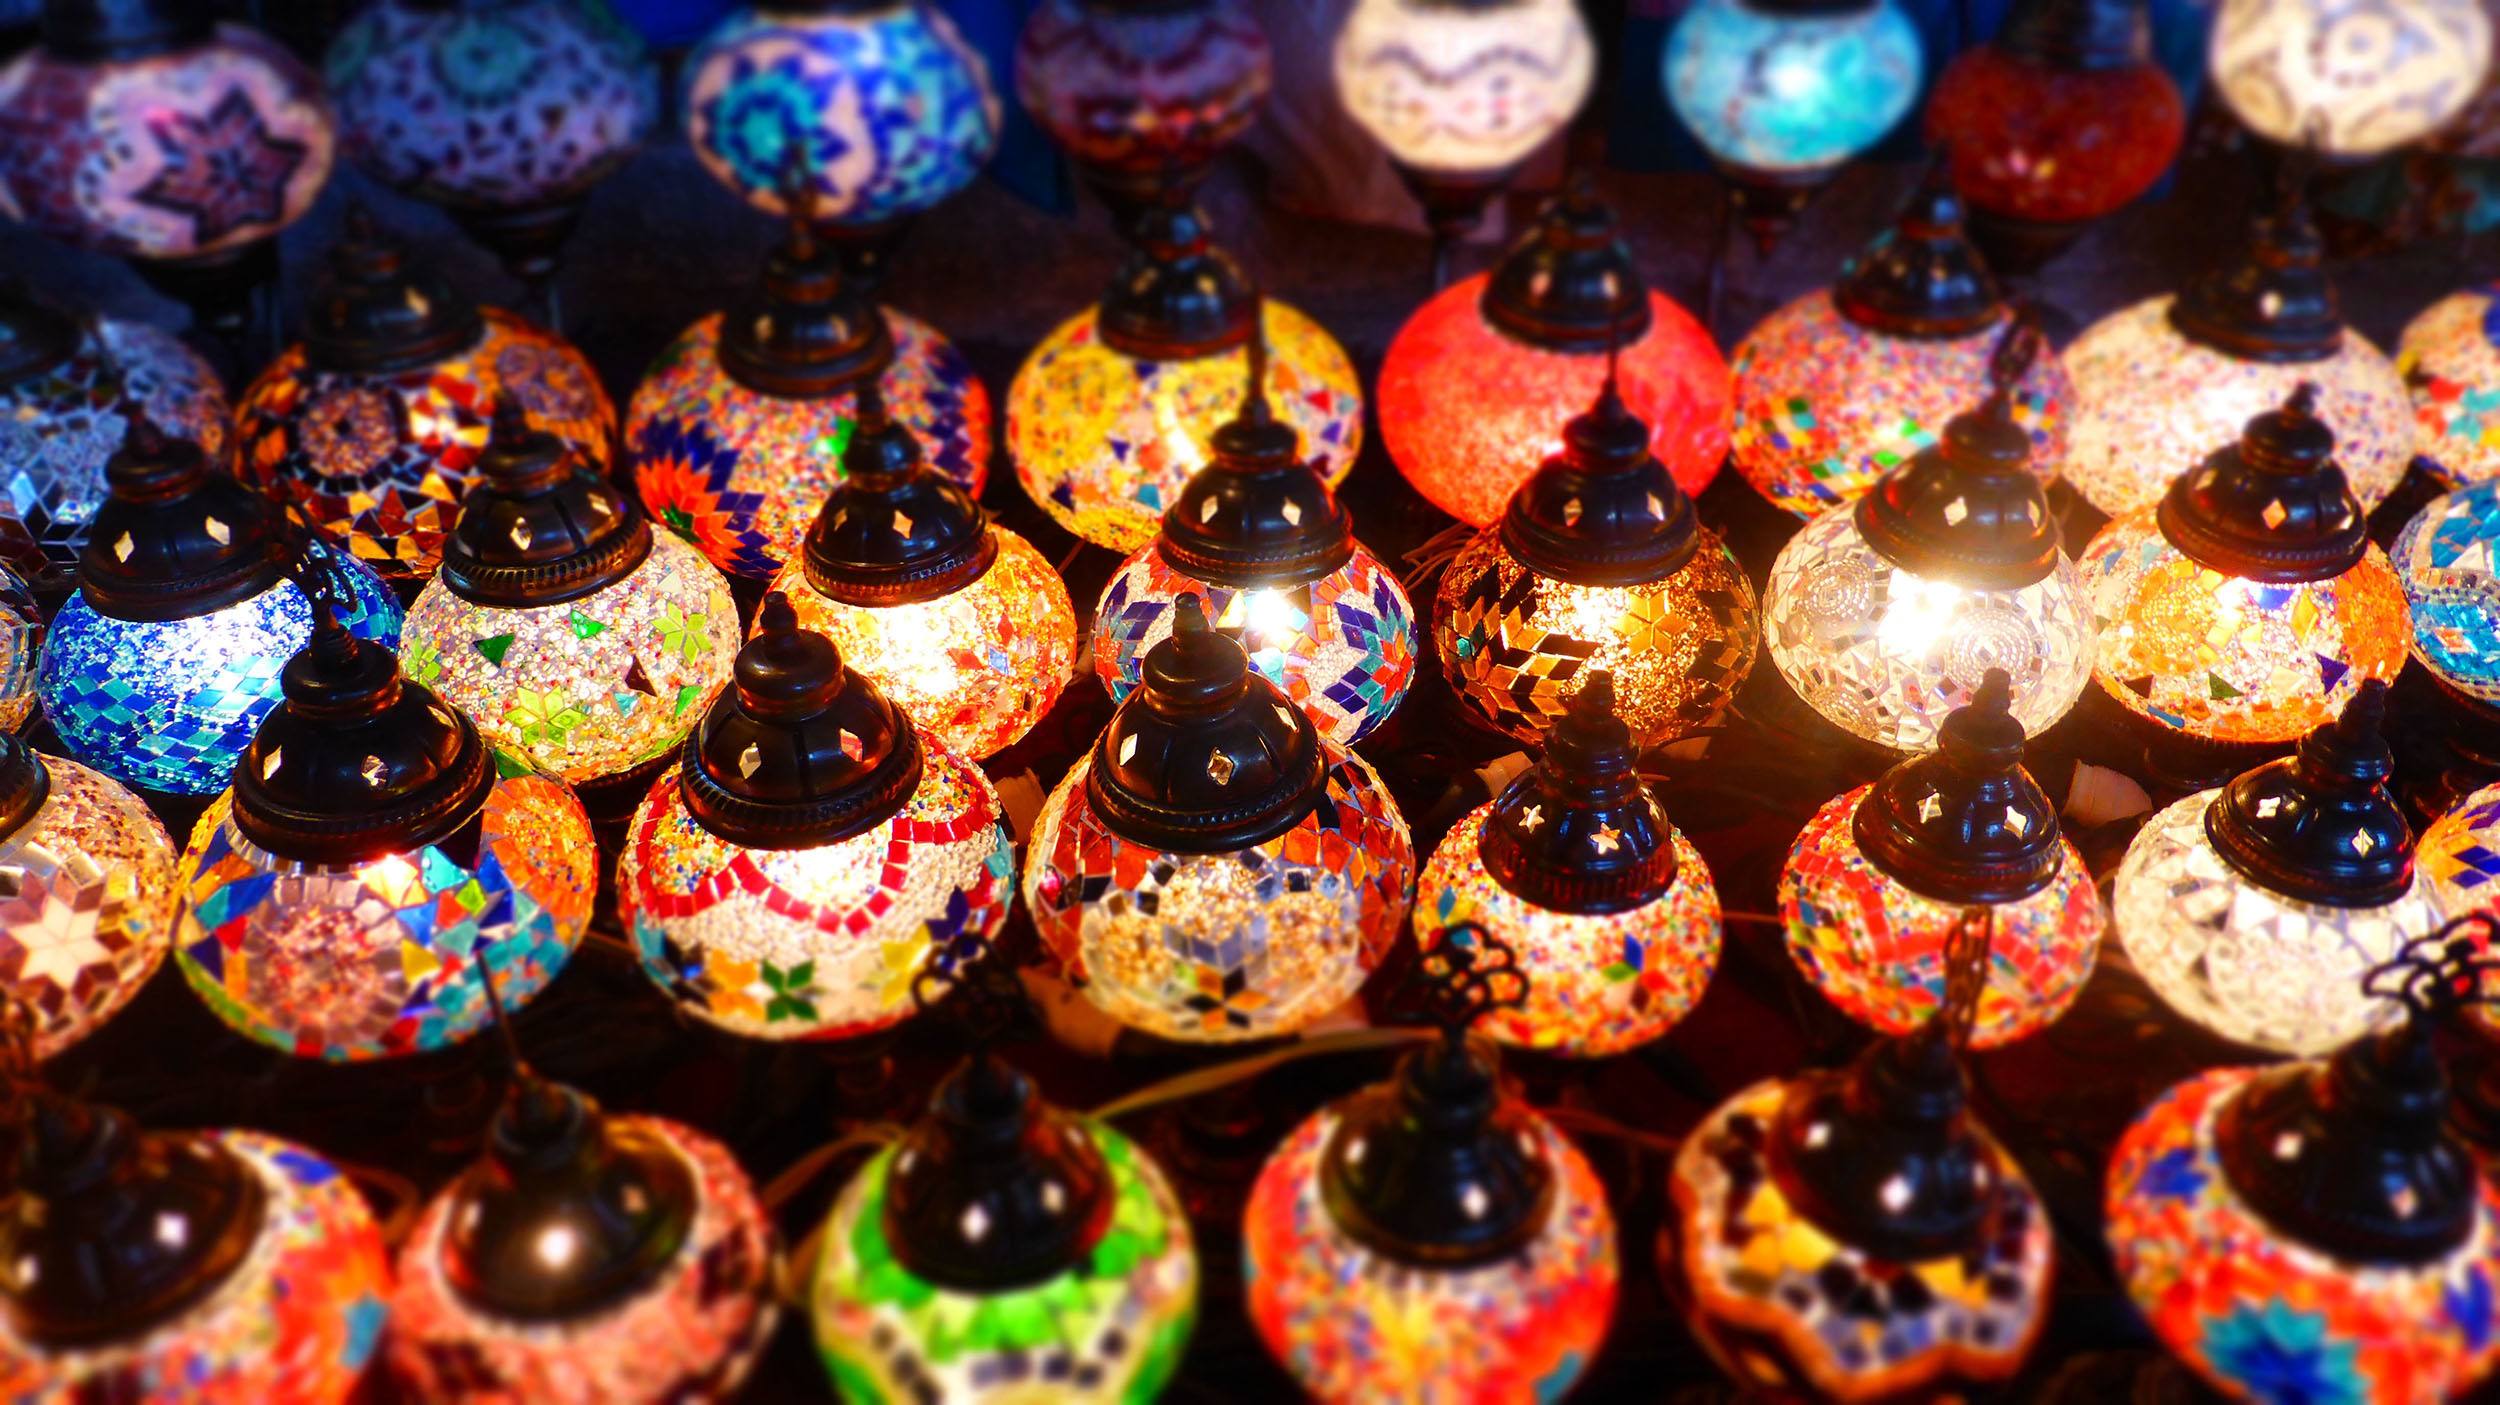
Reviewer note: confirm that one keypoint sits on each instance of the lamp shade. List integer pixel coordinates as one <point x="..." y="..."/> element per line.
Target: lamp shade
<point x="1463" y="89"/>
<point x="93" y="906"/>
<point x="1791" y="91"/>
<point x="2443" y="560"/>
<point x="1142" y="95"/>
<point x="2350" y="83"/>
<point x="21" y="645"/>
<point x="2450" y="360"/>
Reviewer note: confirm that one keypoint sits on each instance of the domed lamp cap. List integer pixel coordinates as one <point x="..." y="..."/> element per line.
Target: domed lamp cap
<point x="92" y="31"/>
<point x="2319" y="825"/>
<point x="799" y="751"/>
<point x="1177" y="297"/>
<point x="1205" y="757"/>
<point x="356" y="762"/>
<point x="892" y="531"/>
<point x="1965" y="824"/>
<point x="804" y="331"/>
<point x="1258" y="514"/>
<point x="1570" y="285"/>
<point x="1966" y="509"/>
<point x="995" y="1189"/>
<point x="35" y="336"/>
<point x="1604" y="511"/>
<point x="2273" y="302"/>
<point x="375" y="312"/>
<point x="1922" y="277"/>
<point x="538" y="526"/>
<point x="175" y="537"/>
<point x="1881" y="1155"/>
<point x="86" y="1256"/>
<point x="25" y="782"/>
<point x="2273" y="507"/>
<point x="1579" y="831"/>
<point x="568" y="1213"/>
<point x="2078" y="36"/>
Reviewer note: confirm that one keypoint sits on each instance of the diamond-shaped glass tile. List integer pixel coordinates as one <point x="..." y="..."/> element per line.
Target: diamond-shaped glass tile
<point x="218" y="532"/>
<point x="1220" y="768"/>
<point x="1292" y="512"/>
<point x="269" y="764"/>
<point x="2273" y="514"/>
<point x="2362" y="843"/>
<point x="1955" y="511"/>
<point x="371" y="770"/>
<point x="903" y="524"/>
<point x="750" y="760"/>
<point x="2017" y="821"/>
<point x="521" y="535"/>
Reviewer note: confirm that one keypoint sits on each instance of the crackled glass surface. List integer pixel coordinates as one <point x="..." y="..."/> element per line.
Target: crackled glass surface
<point x="2243" y="961"/>
<point x="1459" y="88"/>
<point x="2443" y="561"/>
<point x="90" y="908"/>
<point x="1886" y="654"/>
<point x="2449" y="357"/>
<point x="2349" y="79"/>
<point x="2235" y="660"/>
<point x="1791" y="94"/>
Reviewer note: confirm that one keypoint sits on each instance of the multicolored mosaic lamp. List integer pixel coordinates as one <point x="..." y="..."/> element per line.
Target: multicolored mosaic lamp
<point x="92" y="909"/>
<point x="21" y="644"/>
<point x="1576" y="868"/>
<point x="371" y="426"/>
<point x="1118" y="406"/>
<point x="192" y="594"/>
<point x="2314" y="1230"/>
<point x="1599" y="564"/>
<point x="1270" y="554"/>
<point x="580" y="641"/>
<point x="810" y="851"/>
<point x="504" y="113"/>
<point x="1432" y="1237"/>
<point x="2157" y="385"/>
<point x="1214" y="870"/>
<point x="958" y="620"/>
<point x="2449" y="357"/>
<point x="1478" y="383"/>
<point x="738" y="432"/>
<point x="148" y="129"/>
<point x="1142" y="96"/>
<point x="67" y="385"/>
<point x="1887" y="616"/>
<point x="2055" y="123"/>
<point x="2348" y="82"/>
<point x="371" y="870"/>
<point x="1460" y="92"/>
<point x="2443" y="561"/>
<point x="2460" y="854"/>
<point x="1843" y="385"/>
<point x="1855" y="1234"/>
<point x="1883" y="876"/>
<point x="2255" y="909"/>
<point x="2249" y="606"/>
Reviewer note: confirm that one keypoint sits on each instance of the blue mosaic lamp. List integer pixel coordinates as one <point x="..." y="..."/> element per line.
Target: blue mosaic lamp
<point x="2443" y="559"/>
<point x="192" y="593"/>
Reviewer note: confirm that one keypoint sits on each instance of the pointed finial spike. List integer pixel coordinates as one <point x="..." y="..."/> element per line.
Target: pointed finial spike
<point x="1596" y="698"/>
<point x="511" y="423"/>
<point x="140" y="434"/>
<point x="1254" y="406"/>
<point x="521" y="1071"/>
<point x="1189" y="617"/>
<point x="777" y="616"/>
<point x="2364" y="715"/>
<point x="798" y="195"/>
<point x="2303" y="400"/>
<point x="869" y="407"/>
<point x="1995" y="697"/>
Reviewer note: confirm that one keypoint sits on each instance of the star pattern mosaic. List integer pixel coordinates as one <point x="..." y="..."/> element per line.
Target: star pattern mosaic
<point x="86" y="904"/>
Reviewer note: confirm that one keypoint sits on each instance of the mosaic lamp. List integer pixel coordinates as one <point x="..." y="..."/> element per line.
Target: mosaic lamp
<point x="2254" y="910"/>
<point x="1599" y="563"/>
<point x="2057" y="122"/>
<point x="2249" y="606"/>
<point x="1888" y="615"/>
<point x="738" y="431"/>
<point x="2348" y="82"/>
<point x="67" y="384"/>
<point x="1460" y="92"/>
<point x="1477" y="384"/>
<point x="348" y="897"/>
<point x="810" y="851"/>
<point x="1855" y="1234"/>
<point x="372" y="425"/>
<point x="148" y="129"/>
<point x="1882" y="876"/>
<point x="1214" y="870"/>
<point x="1843" y="385"/>
<point x="1143" y="96"/>
<point x="92" y="909"/>
<point x="1270" y="554"/>
<point x="585" y="1259"/>
<point x="958" y="620"/>
<point x="1432" y="1237"/>
<point x="1782" y="93"/>
<point x="192" y="594"/>
<point x="2449" y="357"/>
<point x="21" y="645"/>
<point x="1575" y="867"/>
<point x="2443" y="561"/>
<point x="173" y="1265"/>
<point x="505" y="114"/>
<point x="1119" y="405"/>
<point x="2313" y="1230"/>
<point x="582" y="643"/>
<point x="2156" y="385"/>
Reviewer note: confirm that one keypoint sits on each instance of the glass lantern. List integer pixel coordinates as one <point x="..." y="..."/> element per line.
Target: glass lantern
<point x="2449" y="356"/>
<point x="2344" y="81"/>
<point x="91" y="911"/>
<point x="1143" y="97"/>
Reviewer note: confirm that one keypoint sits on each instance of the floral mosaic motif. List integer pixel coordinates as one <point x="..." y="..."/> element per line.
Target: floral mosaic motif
<point x="2266" y="1318"/>
<point x="1103" y="443"/>
<point x="740" y="474"/>
<point x="1342" y="647"/>
<point x="1472" y="91"/>
<point x="1109" y="1328"/>
<point x="391" y="956"/>
<point x="170" y="705"/>
<point x="2229" y="659"/>
<point x="821" y="942"/>
<point x="2443" y="559"/>
<point x="1786" y="1307"/>
<point x="86" y="905"/>
<point x="2449" y="357"/>
<point x="1142" y="91"/>
<point x="1223" y="947"/>
<point x="690" y="1335"/>
<point x="523" y="105"/>
<point x="222" y="170"/>
<point x="1876" y="948"/>
<point x="317" y="1280"/>
<point x="1773" y="91"/>
<point x="892" y="110"/>
<point x="2349" y="81"/>
<point x="1825" y="408"/>
<point x="1352" y="1325"/>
